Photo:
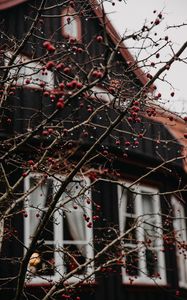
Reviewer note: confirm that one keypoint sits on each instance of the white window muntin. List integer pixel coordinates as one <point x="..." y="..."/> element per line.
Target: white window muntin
<point x="158" y="246"/>
<point x="180" y="229"/>
<point x="58" y="241"/>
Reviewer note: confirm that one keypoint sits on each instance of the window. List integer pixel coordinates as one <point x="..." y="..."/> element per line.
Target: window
<point x="179" y="225"/>
<point x="71" y="24"/>
<point x="29" y="73"/>
<point x="105" y="96"/>
<point x="101" y="94"/>
<point x="67" y="239"/>
<point x="139" y="216"/>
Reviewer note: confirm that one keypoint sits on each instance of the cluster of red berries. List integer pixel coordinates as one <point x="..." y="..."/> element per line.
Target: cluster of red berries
<point x="151" y="112"/>
<point x="74" y="84"/>
<point x="97" y="74"/>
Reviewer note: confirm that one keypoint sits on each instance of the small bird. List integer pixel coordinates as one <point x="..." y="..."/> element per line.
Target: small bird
<point x="35" y="259"/>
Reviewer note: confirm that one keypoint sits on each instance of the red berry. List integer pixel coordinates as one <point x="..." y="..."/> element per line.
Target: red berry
<point x="138" y="120"/>
<point x="157" y="21"/>
<point x="45" y="132"/>
<point x="99" y="74"/>
<point x="79" y="85"/>
<point x="177" y="293"/>
<point x="94" y="73"/>
<point x="74" y="83"/>
<point x="42" y="84"/>
<point x="127" y="143"/>
<point x="72" y="40"/>
<point x="99" y="38"/>
<point x="31" y="162"/>
<point x="61" y="85"/>
<point x="89" y="225"/>
<point x="27" y="81"/>
<point x="50" y="130"/>
<point x="60" y="66"/>
<point x="46" y="44"/>
<point x="50" y="65"/>
<point x="171" y="118"/>
<point x="69" y="85"/>
<point x="60" y="104"/>
<point x="79" y="50"/>
<point x="51" y="48"/>
<point x="67" y="70"/>
<point x="129" y="119"/>
<point x="46" y="94"/>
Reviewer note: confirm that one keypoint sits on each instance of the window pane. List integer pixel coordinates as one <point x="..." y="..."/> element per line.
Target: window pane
<point x="132" y="262"/>
<point x="151" y="262"/>
<point x="147" y="202"/>
<point x="42" y="195"/>
<point x="73" y="257"/>
<point x="131" y="236"/>
<point x="71" y="26"/>
<point x="130" y="202"/>
<point x="150" y="223"/>
<point x="48" y="233"/>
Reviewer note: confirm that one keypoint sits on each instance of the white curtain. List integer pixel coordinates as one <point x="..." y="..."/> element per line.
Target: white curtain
<point x="37" y="203"/>
<point x="74" y="216"/>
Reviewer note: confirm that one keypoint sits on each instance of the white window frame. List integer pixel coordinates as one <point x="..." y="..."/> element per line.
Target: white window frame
<point x="142" y="278"/>
<point x="106" y="97"/>
<point x="180" y="228"/>
<point x="58" y="236"/>
<point x="30" y="70"/>
<point x="102" y="94"/>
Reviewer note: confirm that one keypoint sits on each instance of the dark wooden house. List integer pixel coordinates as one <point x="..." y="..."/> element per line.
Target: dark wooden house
<point x="60" y="67"/>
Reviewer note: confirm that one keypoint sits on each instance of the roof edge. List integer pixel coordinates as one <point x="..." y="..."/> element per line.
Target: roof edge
<point x="176" y="126"/>
<point x="139" y="73"/>
<point x="5" y="4"/>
